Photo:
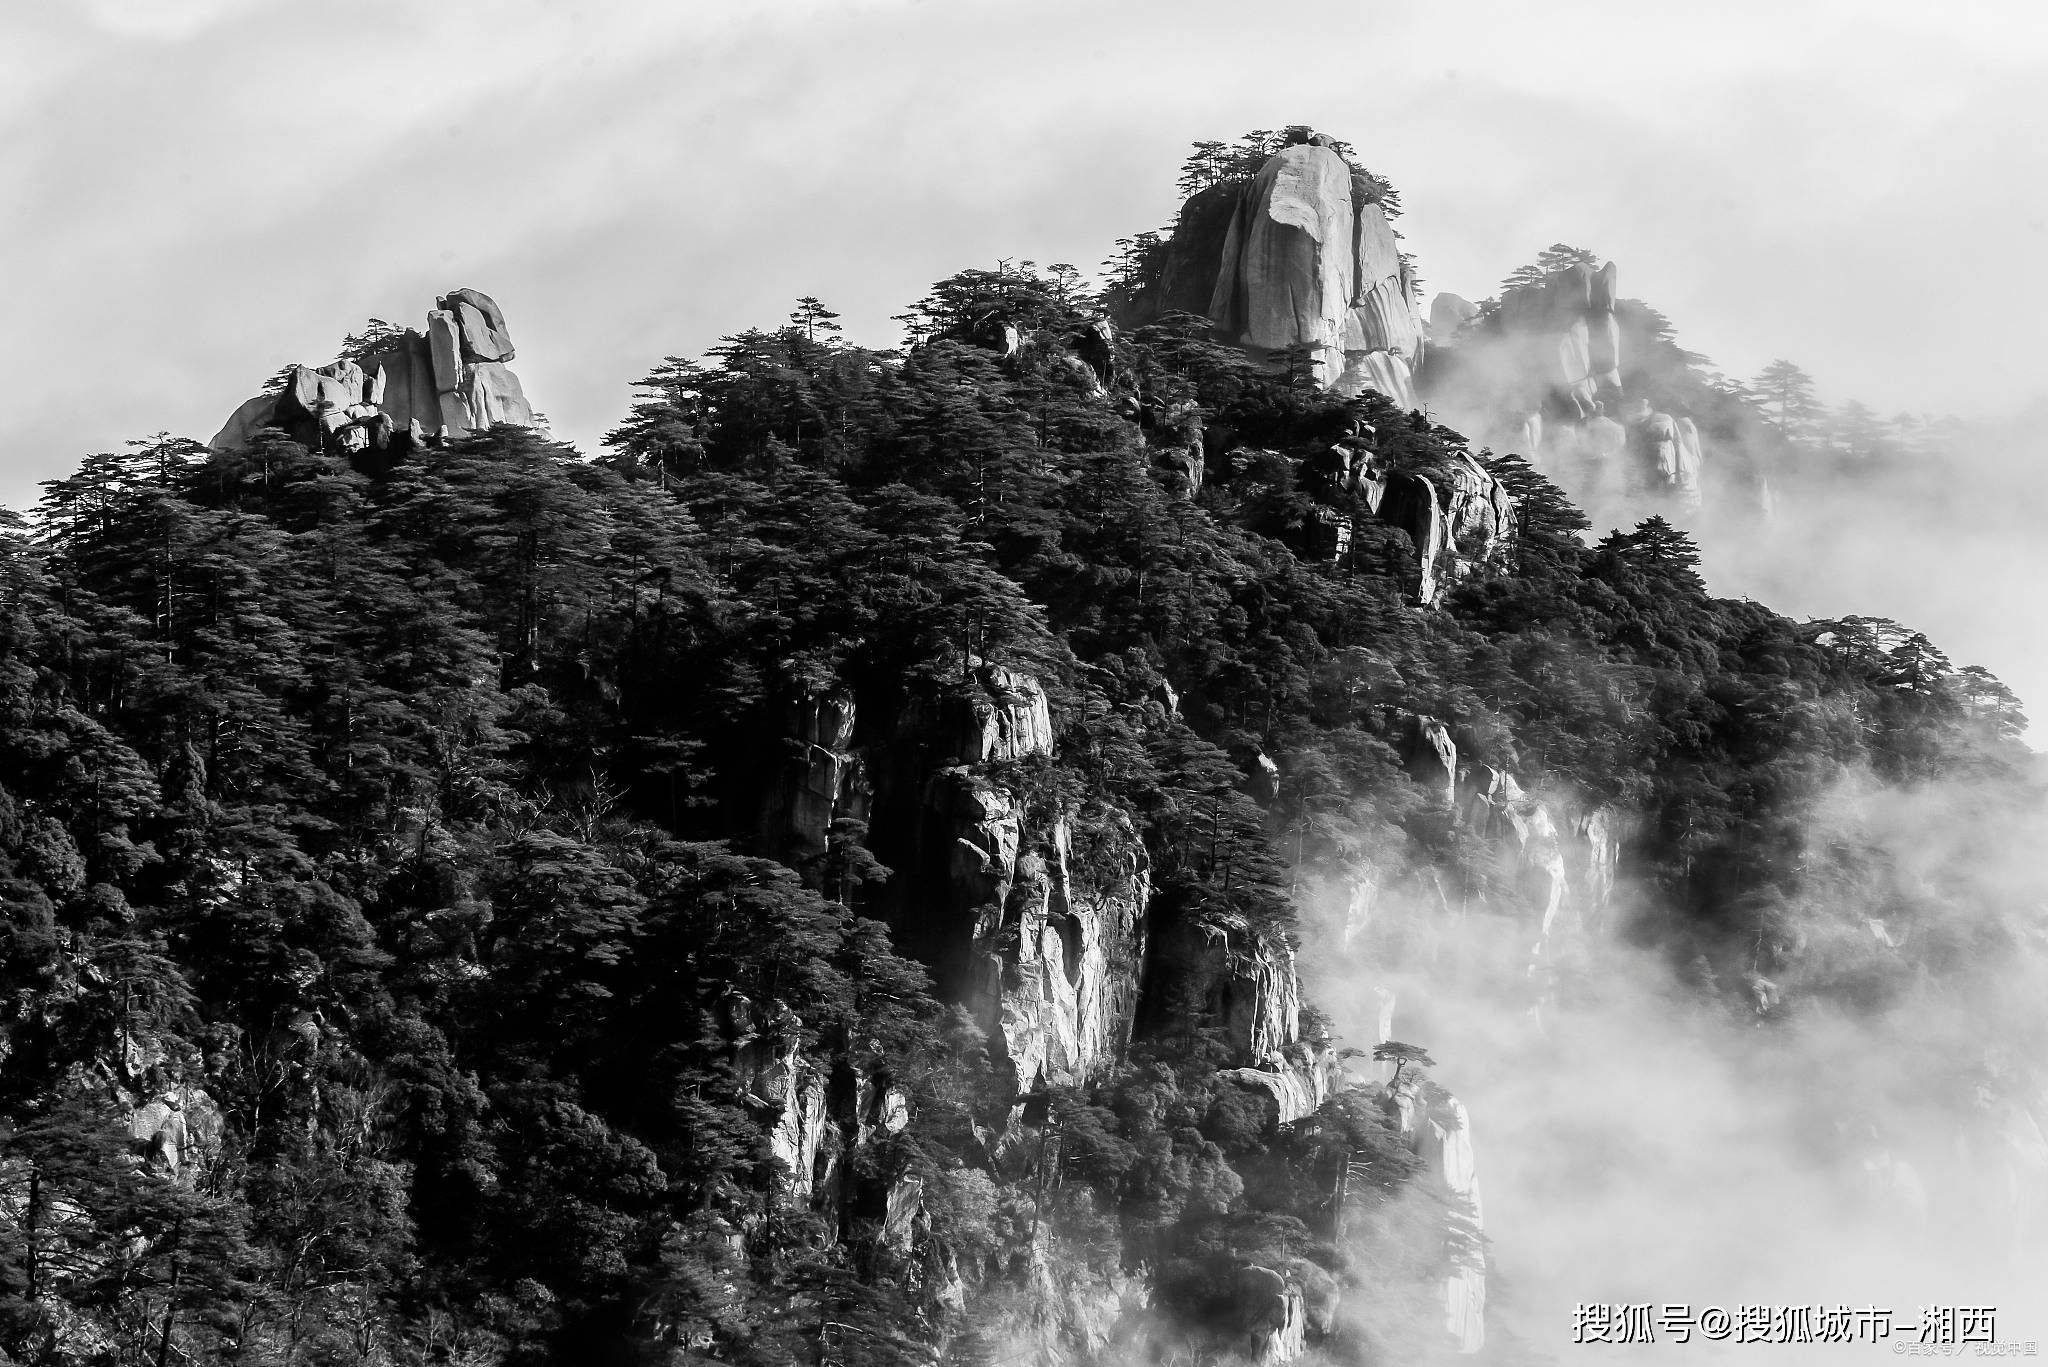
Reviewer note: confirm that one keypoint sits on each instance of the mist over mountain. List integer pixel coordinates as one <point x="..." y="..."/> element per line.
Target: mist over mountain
<point x="1208" y="815"/>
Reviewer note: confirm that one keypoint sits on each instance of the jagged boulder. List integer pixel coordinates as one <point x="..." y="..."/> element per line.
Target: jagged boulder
<point x="1273" y="1313"/>
<point x="1035" y="921"/>
<point x="1227" y="973"/>
<point x="449" y="380"/>
<point x="1297" y="1080"/>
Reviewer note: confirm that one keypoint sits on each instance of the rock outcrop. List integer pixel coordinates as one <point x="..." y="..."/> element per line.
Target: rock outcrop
<point x="820" y="781"/>
<point x="787" y="1092"/>
<point x="1299" y="258"/>
<point x="449" y="380"/>
<point x="1560" y="860"/>
<point x="1666" y="451"/>
<point x="1230" y="974"/>
<point x="1034" y="921"/>
<point x="1437" y="1125"/>
<point x="178" y="1126"/>
<point x="1566" y="375"/>
<point x="1459" y="519"/>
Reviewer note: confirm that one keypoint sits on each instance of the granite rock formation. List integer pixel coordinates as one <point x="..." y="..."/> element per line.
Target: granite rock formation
<point x="448" y="381"/>
<point x="1542" y="374"/>
<point x="1458" y="516"/>
<point x="1299" y="258"/>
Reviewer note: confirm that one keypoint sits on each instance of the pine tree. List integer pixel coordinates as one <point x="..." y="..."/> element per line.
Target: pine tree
<point x="1786" y="392"/>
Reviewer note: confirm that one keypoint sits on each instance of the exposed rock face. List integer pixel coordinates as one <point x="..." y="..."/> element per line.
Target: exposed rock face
<point x="1055" y="938"/>
<point x="996" y="714"/>
<point x="1448" y="313"/>
<point x="1301" y="255"/>
<point x="1311" y="261"/>
<point x="787" y="1092"/>
<point x="1432" y="757"/>
<point x="1564" y="340"/>
<point x="1561" y="861"/>
<point x="1275" y="1313"/>
<point x="1063" y="1000"/>
<point x="1459" y="520"/>
<point x="1034" y="922"/>
<point x="821" y="780"/>
<point x="1174" y="437"/>
<point x="1458" y="516"/>
<point x="450" y="380"/>
<point x="1436" y="1123"/>
<point x="177" y="1128"/>
<point x="1230" y="973"/>
<point x="1667" y="456"/>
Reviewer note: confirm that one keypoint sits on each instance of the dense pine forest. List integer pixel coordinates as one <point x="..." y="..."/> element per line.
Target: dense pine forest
<point x="417" y="920"/>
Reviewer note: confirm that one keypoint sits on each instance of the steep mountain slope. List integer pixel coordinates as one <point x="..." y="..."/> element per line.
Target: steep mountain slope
<point x="831" y="878"/>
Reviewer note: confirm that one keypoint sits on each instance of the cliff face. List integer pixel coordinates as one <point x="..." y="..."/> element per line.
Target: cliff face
<point x="448" y="381"/>
<point x="1437" y="1124"/>
<point x="1035" y="920"/>
<point x="1300" y="256"/>
<point x="1460" y="519"/>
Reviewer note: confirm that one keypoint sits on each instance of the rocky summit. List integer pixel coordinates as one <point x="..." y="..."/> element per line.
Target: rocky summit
<point x="446" y="382"/>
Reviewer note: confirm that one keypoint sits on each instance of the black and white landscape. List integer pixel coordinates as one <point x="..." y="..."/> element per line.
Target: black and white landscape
<point x="887" y="683"/>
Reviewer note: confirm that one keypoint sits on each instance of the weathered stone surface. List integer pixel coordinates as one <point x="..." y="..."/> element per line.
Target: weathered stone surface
<point x="324" y="395"/>
<point x="1274" y="1316"/>
<point x="481" y="323"/>
<point x="1666" y="448"/>
<point x="1432" y="757"/>
<point x="1459" y="520"/>
<point x="820" y="781"/>
<point x="1298" y="1080"/>
<point x="244" y="423"/>
<point x="1448" y="313"/>
<point x="1561" y="859"/>
<point x="454" y="414"/>
<point x="996" y="714"/>
<point x="1228" y="974"/>
<point x="491" y="394"/>
<point x="449" y="378"/>
<point x="1437" y="1125"/>
<point x="1308" y="262"/>
<point x="788" y="1094"/>
<point x="1054" y="986"/>
<point x="176" y="1129"/>
<point x="444" y="347"/>
<point x="1543" y="376"/>
<point x="1038" y="924"/>
<point x="903" y="1212"/>
<point x="1287" y="270"/>
<point x="409" y="392"/>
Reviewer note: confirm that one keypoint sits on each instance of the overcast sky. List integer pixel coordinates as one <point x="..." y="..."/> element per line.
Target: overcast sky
<point x="202" y="190"/>
<point x="199" y="191"/>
